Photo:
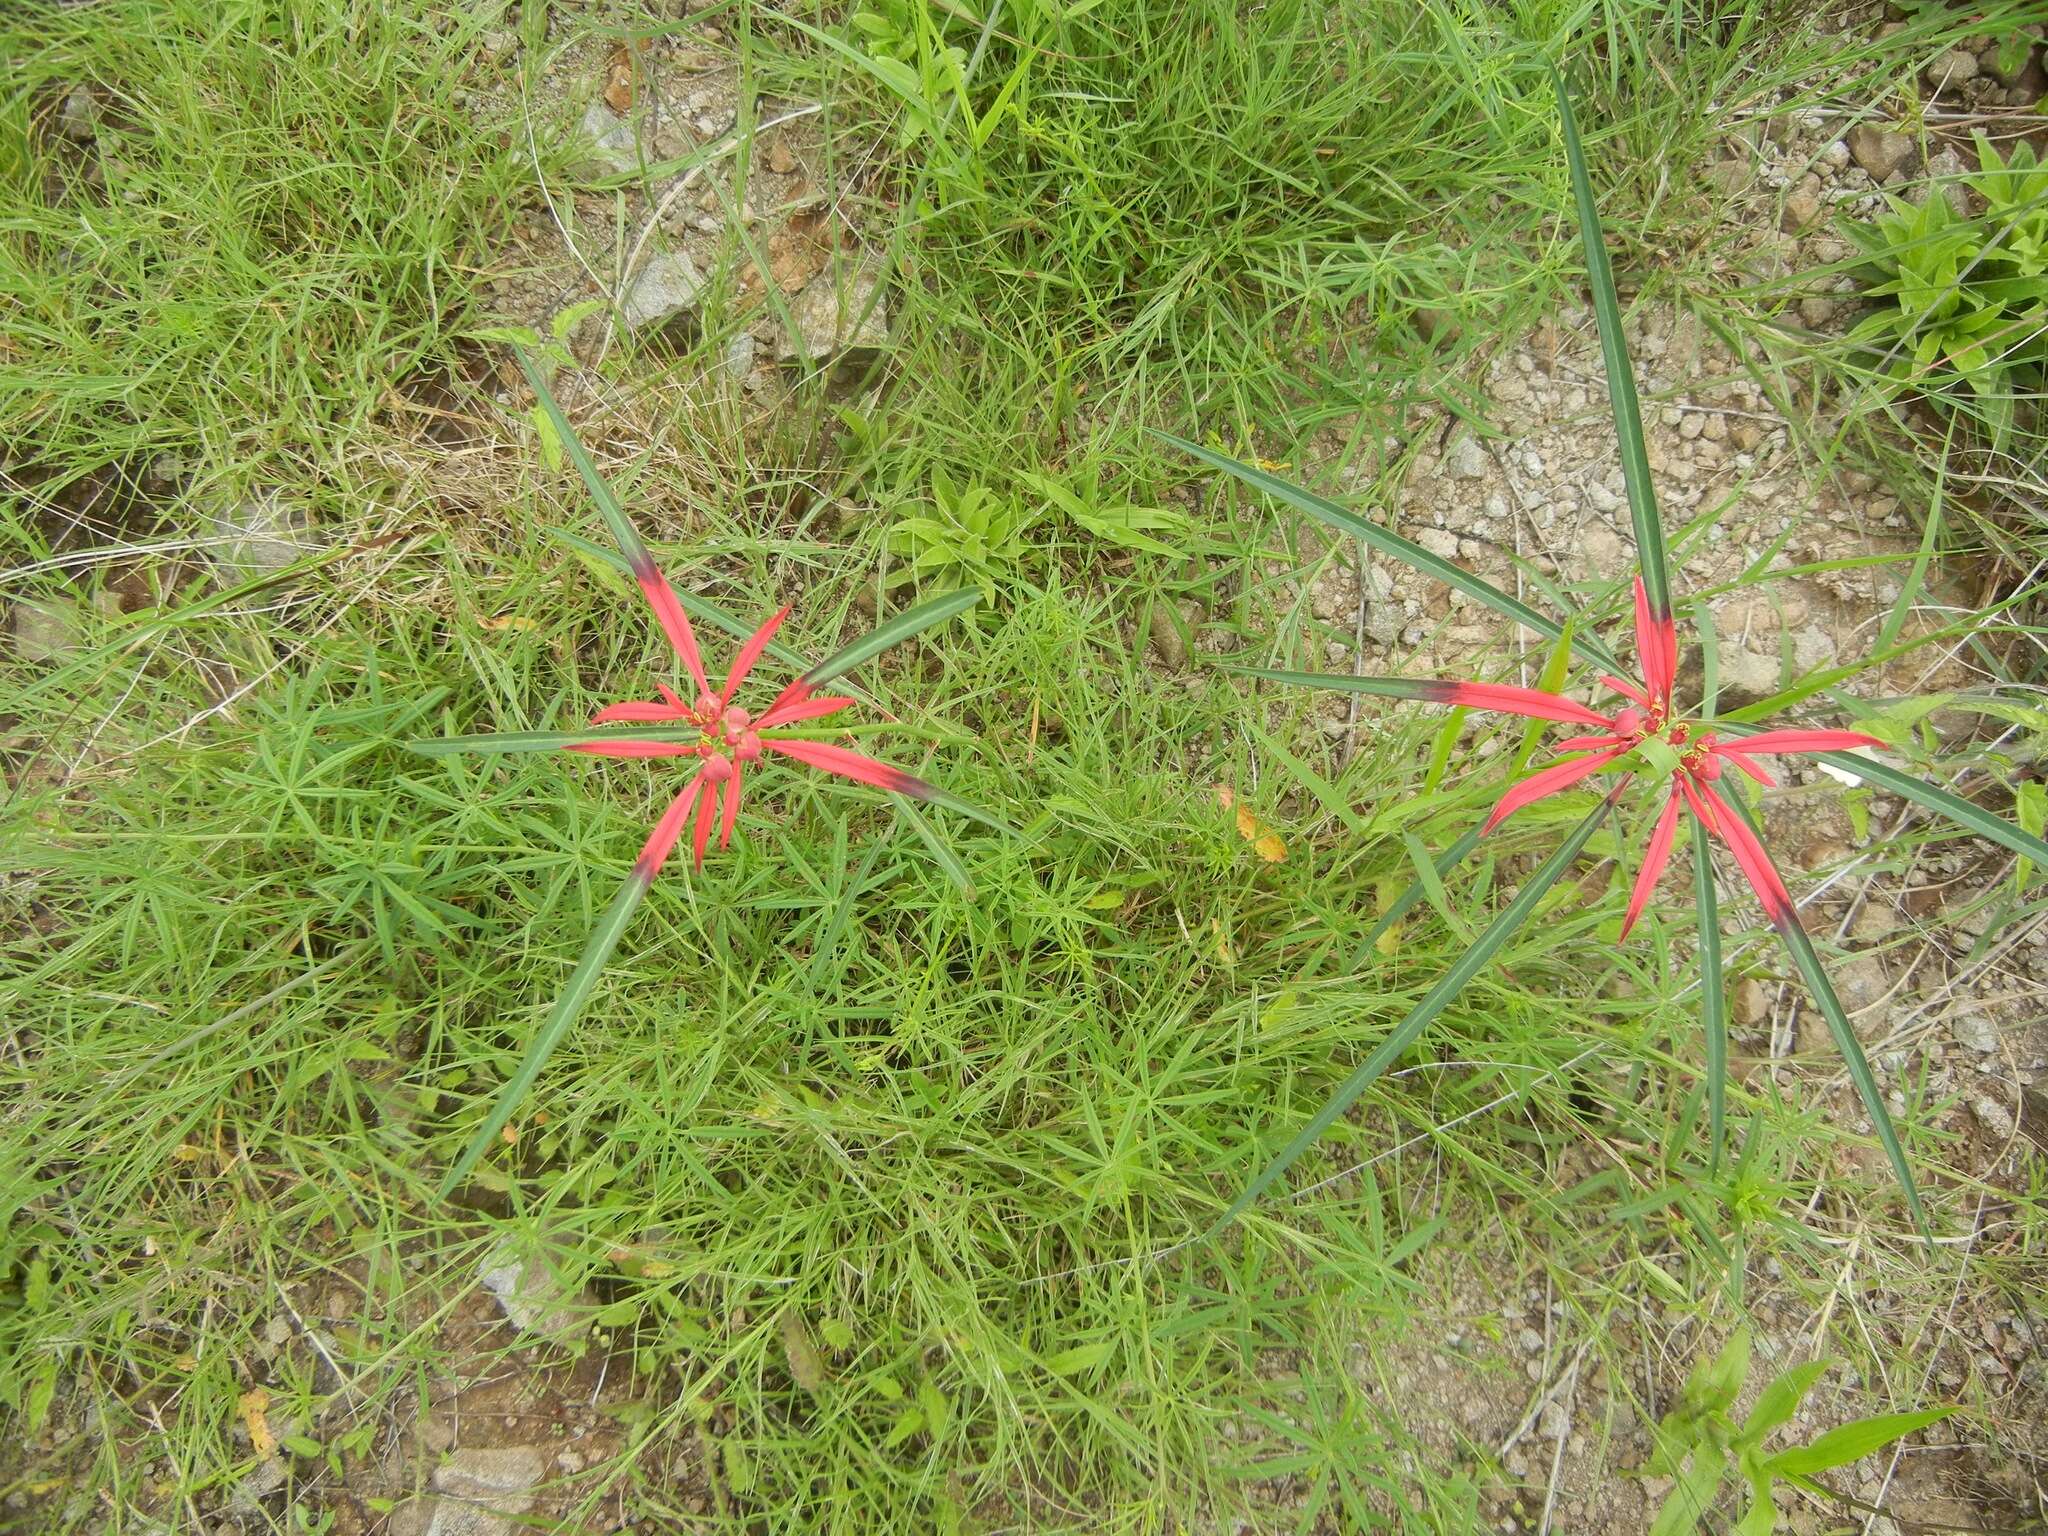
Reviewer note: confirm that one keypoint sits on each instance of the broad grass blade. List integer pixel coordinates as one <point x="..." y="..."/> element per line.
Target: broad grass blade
<point x="891" y="631"/>
<point x="936" y="846"/>
<point x="548" y="741"/>
<point x="608" y="506"/>
<point x="1392" y="545"/>
<point x="1621" y="380"/>
<point x="1713" y="999"/>
<point x="1446" y="861"/>
<point x="1448" y="986"/>
<point x="1853" y="1060"/>
<point x="604" y="938"/>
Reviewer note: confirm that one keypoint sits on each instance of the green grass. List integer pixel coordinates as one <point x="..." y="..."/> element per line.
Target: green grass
<point x="265" y="970"/>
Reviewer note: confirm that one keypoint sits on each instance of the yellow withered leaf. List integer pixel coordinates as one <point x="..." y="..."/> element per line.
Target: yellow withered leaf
<point x="253" y="1405"/>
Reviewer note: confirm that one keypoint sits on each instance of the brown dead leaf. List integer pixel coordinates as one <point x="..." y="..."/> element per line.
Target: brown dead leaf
<point x="517" y="621"/>
<point x="806" y="1365"/>
<point x="793" y="259"/>
<point x="253" y="1405"/>
<point x="618" y="81"/>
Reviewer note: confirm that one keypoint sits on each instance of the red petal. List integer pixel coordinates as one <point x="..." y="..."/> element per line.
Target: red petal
<point x="1656" y="649"/>
<point x="707" y="807"/>
<point x="1700" y="808"/>
<point x="1499" y="697"/>
<point x="669" y="695"/>
<point x="750" y="653"/>
<point x="803" y="709"/>
<point x="732" y="808"/>
<point x="656" y="849"/>
<point x="1627" y="690"/>
<point x="661" y="597"/>
<point x="795" y="693"/>
<point x="1587" y="743"/>
<point x="1742" y="762"/>
<point x="637" y="712"/>
<point x="1756" y="864"/>
<point x="1798" y="741"/>
<point x="1655" y="856"/>
<point x="1559" y="776"/>
<point x="850" y="765"/>
<point x="634" y="748"/>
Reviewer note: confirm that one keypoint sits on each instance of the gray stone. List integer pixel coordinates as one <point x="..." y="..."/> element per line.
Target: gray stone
<point x="485" y="1490"/>
<point x="1975" y="1032"/>
<point x="1438" y="541"/>
<point x="1816" y="310"/>
<point x="828" y="315"/>
<point x="1745" y="677"/>
<point x="530" y="1293"/>
<point x="245" y="1501"/>
<point x="1802" y="205"/>
<point x="45" y="629"/>
<point x="257" y="535"/>
<point x="739" y="357"/>
<point x="612" y="138"/>
<point x="1952" y="69"/>
<point x="79" y="118"/>
<point x="1466" y="460"/>
<point x="1880" y="151"/>
<point x="666" y="285"/>
<point x="1945" y="172"/>
<point x="1729" y="177"/>
<point x="1997" y="1121"/>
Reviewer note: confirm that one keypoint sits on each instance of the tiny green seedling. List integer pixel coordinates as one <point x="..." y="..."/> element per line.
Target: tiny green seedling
<point x="1962" y="302"/>
<point x="1699" y="1442"/>
<point x="970" y="534"/>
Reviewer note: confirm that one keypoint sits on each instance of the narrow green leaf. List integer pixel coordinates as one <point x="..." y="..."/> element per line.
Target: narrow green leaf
<point x="1392" y="545"/>
<point x="1853" y="1442"/>
<point x="1715" y="1384"/>
<point x="1713" y="996"/>
<point x="1557" y="668"/>
<point x="931" y="794"/>
<point x="547" y="741"/>
<point x="1426" y="875"/>
<point x="1404" y="1034"/>
<point x="1687" y="1504"/>
<point x="1710" y="658"/>
<point x="937" y="846"/>
<point x="1621" y="381"/>
<point x="1779" y="1401"/>
<point x="597" y="949"/>
<point x="608" y="506"/>
<point x="1971" y="818"/>
<point x="891" y="631"/>
<point x="1446" y="861"/>
<point x="1854" y="1061"/>
<point x="1327" y="795"/>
